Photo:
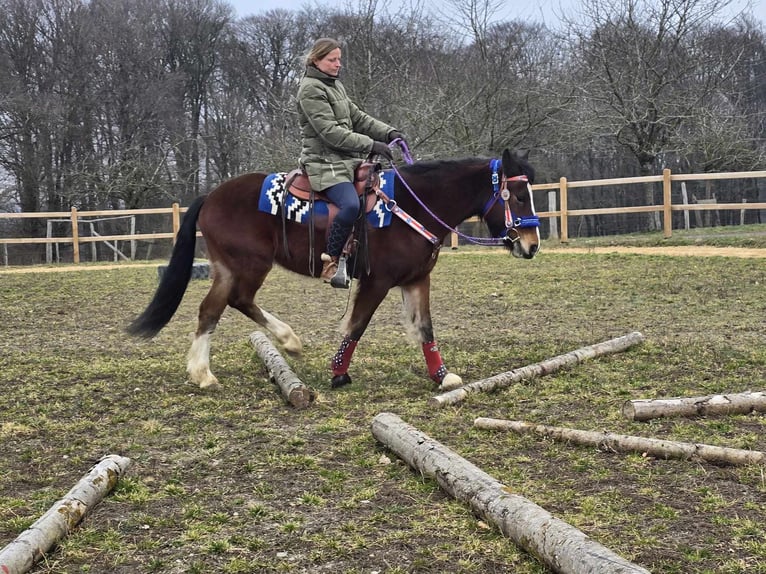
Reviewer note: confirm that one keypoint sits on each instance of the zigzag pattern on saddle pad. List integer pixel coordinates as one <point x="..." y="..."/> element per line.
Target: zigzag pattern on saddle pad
<point x="298" y="210"/>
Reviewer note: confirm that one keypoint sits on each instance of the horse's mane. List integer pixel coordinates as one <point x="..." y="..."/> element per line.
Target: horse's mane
<point x="426" y="167"/>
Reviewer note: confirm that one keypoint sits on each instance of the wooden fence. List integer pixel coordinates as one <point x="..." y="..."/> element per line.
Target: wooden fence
<point x="559" y="216"/>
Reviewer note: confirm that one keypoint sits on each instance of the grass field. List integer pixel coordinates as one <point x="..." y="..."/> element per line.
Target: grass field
<point x="238" y="482"/>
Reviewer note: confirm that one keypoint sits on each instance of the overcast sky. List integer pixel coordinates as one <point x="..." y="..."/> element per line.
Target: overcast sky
<point x="547" y="11"/>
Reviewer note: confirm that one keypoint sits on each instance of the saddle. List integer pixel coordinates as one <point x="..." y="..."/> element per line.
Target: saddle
<point x="367" y="184"/>
<point x="366" y="178"/>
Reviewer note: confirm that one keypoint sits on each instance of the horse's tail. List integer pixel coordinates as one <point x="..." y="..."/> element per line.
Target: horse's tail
<point x="174" y="281"/>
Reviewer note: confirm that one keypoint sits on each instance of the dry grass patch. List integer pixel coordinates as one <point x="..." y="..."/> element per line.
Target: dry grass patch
<point x="239" y="482"/>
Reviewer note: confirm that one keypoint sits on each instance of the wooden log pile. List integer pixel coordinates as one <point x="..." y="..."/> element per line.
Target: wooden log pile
<point x="537" y="369"/>
<point x="559" y="545"/>
<point x="657" y="448"/>
<point x="290" y="386"/>
<point x="19" y="556"/>
<point x="729" y="404"/>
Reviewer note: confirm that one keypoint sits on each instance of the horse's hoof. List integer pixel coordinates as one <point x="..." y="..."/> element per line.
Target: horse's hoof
<point x="212" y="385"/>
<point x="294" y="351"/>
<point x="292" y="345"/>
<point x="450" y="381"/>
<point x="339" y="381"/>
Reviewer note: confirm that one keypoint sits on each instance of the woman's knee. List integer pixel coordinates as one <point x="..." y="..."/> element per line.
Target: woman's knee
<point x="344" y="197"/>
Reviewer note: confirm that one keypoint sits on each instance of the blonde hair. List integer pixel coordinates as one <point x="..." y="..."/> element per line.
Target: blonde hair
<point x="320" y="49"/>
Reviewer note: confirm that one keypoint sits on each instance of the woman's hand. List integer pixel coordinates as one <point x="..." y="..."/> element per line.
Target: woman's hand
<point x="396" y="135"/>
<point x="381" y="149"/>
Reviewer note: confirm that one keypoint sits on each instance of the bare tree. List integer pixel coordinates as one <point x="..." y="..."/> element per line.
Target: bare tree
<point x="252" y="118"/>
<point x="25" y="101"/>
<point x="641" y="75"/>
<point x="192" y="33"/>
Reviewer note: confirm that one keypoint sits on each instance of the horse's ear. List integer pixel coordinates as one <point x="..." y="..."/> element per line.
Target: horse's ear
<point x="515" y="163"/>
<point x="507" y="161"/>
<point x="510" y="163"/>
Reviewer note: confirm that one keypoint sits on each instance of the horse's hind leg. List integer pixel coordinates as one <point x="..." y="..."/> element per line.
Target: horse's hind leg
<point x="243" y="300"/>
<point x="417" y="312"/>
<point x="210" y="311"/>
<point x="282" y="331"/>
<point x="228" y="291"/>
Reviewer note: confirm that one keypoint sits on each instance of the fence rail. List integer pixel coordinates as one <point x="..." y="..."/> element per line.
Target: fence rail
<point x="558" y="196"/>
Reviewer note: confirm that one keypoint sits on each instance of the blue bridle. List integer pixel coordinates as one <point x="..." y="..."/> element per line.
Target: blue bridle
<point x="501" y="192"/>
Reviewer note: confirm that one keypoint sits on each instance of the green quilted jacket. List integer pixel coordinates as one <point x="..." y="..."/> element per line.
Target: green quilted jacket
<point x="337" y="136"/>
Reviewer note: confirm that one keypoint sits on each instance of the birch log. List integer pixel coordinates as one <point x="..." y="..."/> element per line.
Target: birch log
<point x="537" y="369"/>
<point x="626" y="443"/>
<point x="732" y="404"/>
<point x="292" y="388"/>
<point x="19" y="556"/>
<point x="559" y="545"/>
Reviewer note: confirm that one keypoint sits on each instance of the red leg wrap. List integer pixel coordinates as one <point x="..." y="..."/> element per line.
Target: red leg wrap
<point x="436" y="369"/>
<point x="342" y="358"/>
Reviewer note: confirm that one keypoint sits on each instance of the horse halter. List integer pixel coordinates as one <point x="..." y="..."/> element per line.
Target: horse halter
<point x="500" y="192"/>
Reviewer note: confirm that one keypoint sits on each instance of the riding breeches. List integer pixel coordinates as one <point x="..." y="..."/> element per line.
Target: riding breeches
<point x="344" y="196"/>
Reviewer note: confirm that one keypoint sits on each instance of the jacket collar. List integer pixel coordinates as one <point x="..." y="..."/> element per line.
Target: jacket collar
<point x="314" y="72"/>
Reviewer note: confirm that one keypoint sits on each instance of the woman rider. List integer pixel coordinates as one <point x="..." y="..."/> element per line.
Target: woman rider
<point x="336" y="138"/>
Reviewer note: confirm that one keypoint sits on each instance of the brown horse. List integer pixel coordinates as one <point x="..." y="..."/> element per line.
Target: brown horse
<point x="243" y="242"/>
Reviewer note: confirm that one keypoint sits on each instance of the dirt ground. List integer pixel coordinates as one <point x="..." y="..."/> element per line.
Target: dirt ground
<point x="672" y="251"/>
<point x="678" y="250"/>
<point x="235" y="482"/>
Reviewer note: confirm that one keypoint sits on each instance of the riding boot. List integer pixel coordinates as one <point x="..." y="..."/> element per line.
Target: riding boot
<point x="329" y="267"/>
<point x="334" y="268"/>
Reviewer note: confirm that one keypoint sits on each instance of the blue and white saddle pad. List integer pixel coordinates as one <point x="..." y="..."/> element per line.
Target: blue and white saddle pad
<point x="298" y="210"/>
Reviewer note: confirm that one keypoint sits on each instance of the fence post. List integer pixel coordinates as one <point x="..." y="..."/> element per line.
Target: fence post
<point x="564" y="217"/>
<point x="93" y="247"/>
<point x="48" y="246"/>
<point x="176" y="221"/>
<point x="132" y="241"/>
<point x="667" y="204"/>
<point x="75" y="237"/>
<point x="553" y="232"/>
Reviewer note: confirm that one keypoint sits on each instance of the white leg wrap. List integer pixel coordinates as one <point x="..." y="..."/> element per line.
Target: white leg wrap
<point x="198" y="363"/>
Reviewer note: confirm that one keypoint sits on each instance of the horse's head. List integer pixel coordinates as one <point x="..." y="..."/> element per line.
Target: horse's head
<point x="511" y="211"/>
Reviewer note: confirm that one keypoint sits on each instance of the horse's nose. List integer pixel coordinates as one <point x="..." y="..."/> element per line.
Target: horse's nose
<point x="533" y="250"/>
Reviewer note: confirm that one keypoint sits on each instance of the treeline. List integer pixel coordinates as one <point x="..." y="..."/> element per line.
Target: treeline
<point x="137" y="103"/>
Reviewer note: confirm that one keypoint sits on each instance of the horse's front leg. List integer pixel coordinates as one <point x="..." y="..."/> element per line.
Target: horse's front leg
<point x="367" y="298"/>
<point x="416" y="301"/>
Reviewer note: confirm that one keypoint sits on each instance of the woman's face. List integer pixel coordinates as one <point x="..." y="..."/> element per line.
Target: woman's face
<point x="330" y="64"/>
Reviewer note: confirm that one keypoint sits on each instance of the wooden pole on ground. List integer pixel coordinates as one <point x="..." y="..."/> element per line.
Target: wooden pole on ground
<point x="559" y="545"/>
<point x="537" y="369"/>
<point x="292" y="388"/>
<point x="626" y="443"/>
<point x="732" y="404"/>
<point x="19" y="556"/>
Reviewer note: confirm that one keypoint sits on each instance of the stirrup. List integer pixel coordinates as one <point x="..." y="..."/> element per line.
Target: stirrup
<point x="341" y="279"/>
